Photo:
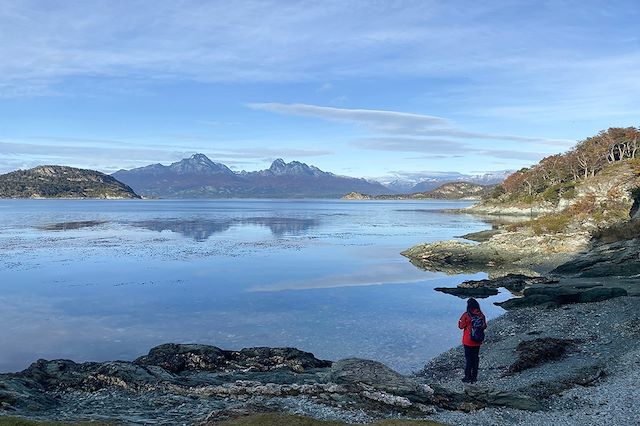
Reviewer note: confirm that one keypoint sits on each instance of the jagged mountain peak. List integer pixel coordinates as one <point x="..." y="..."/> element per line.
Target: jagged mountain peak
<point x="294" y="168"/>
<point x="201" y="158"/>
<point x="199" y="164"/>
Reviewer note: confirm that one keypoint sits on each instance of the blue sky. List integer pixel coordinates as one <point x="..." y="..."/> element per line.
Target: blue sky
<point x="363" y="88"/>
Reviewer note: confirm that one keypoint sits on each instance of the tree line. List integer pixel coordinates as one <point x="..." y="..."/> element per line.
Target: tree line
<point x="556" y="176"/>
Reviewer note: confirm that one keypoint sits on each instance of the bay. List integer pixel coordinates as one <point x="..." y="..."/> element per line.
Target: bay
<point x="102" y="280"/>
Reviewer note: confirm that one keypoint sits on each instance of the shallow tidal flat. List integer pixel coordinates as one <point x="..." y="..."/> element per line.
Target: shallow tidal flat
<point x="103" y="280"/>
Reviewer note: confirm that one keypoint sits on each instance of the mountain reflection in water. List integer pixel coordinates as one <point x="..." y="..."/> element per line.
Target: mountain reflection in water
<point x="202" y="229"/>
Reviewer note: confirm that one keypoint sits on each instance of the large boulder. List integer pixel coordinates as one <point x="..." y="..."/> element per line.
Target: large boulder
<point x="356" y="372"/>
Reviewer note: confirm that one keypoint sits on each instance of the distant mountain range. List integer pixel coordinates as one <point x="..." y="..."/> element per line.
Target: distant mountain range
<point x="428" y="182"/>
<point x="447" y="191"/>
<point x="62" y="182"/>
<point x="199" y="177"/>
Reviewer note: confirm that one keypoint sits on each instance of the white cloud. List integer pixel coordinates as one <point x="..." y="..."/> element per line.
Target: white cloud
<point x="382" y="121"/>
<point x="400" y="123"/>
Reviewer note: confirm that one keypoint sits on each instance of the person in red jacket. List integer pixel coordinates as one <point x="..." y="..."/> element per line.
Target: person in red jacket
<point x="473" y="324"/>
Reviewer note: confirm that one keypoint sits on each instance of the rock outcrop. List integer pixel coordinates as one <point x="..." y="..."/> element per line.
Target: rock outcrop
<point x="562" y="295"/>
<point x="618" y="258"/>
<point x="507" y="252"/>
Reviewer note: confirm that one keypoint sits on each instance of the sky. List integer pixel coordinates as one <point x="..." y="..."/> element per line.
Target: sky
<point x="373" y="89"/>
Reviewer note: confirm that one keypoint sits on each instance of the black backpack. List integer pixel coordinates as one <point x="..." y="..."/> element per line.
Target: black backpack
<point x="477" y="328"/>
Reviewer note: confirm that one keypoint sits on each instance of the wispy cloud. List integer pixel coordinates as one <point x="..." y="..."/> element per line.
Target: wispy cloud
<point x="407" y="132"/>
<point x="442" y="148"/>
<point x="398" y="123"/>
<point x="381" y="121"/>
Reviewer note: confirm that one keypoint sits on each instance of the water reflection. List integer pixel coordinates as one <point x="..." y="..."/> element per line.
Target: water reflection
<point x="201" y="229"/>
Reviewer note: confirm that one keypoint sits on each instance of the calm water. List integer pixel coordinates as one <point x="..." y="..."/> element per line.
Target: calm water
<point x="101" y="280"/>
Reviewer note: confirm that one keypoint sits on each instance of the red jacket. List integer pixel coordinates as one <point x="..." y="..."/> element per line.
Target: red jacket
<point x="465" y="324"/>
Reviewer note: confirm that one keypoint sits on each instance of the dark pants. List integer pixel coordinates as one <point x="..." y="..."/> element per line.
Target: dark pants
<point x="471" y="355"/>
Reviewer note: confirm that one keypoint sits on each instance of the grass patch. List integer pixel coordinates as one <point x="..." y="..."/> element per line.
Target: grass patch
<point x="277" y="419"/>
<point x="550" y="224"/>
<point x="19" y="421"/>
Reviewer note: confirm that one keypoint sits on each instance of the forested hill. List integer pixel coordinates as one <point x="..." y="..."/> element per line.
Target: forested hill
<point x="62" y="182"/>
<point x="556" y="176"/>
<point x="596" y="182"/>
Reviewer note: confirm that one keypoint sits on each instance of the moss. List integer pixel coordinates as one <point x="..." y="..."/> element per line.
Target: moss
<point x="569" y="194"/>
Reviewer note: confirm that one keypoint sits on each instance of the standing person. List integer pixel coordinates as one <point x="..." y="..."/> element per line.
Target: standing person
<point x="473" y="324"/>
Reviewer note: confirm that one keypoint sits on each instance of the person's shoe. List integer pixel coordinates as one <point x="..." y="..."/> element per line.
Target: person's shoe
<point x="466" y="380"/>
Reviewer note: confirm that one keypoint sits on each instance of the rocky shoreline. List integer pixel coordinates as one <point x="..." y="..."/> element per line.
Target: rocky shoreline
<point x="207" y="384"/>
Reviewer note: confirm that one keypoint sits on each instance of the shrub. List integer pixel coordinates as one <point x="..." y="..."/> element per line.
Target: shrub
<point x="550" y="224"/>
